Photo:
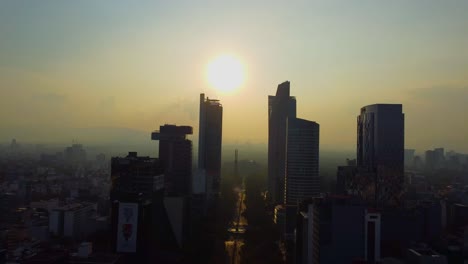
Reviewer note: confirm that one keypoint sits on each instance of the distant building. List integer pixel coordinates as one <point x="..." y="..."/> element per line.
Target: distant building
<point x="302" y="161"/>
<point x="453" y="162"/>
<point x="14" y="146"/>
<point x="430" y="159"/>
<point x="72" y="220"/>
<point x="101" y="158"/>
<point x="175" y="155"/>
<point x="280" y="107"/>
<point x="209" y="147"/>
<point x="380" y="150"/>
<point x="409" y="158"/>
<point x="75" y="155"/>
<point x="440" y="157"/>
<point x="344" y="176"/>
<point x="52" y="159"/>
<point x="418" y="164"/>
<point x="456" y="161"/>
<point x="435" y="159"/>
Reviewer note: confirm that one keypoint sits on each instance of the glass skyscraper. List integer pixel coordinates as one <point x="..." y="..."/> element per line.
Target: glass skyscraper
<point x="380" y="150"/>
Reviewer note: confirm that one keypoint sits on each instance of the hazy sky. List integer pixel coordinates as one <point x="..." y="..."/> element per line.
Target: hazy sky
<point x="68" y="66"/>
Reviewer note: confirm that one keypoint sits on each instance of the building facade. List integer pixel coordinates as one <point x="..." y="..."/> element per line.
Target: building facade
<point x="209" y="146"/>
<point x="175" y="155"/>
<point x="330" y="230"/>
<point x="380" y="150"/>
<point x="280" y="107"/>
<point x="435" y="159"/>
<point x="72" y="220"/>
<point x="135" y="176"/>
<point x="302" y="161"/>
<point x="345" y="176"/>
<point x="137" y="208"/>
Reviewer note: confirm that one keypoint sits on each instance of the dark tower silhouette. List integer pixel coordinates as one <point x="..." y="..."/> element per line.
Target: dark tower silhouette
<point x="380" y="151"/>
<point x="175" y="155"/>
<point x="280" y="107"/>
<point x="302" y="162"/>
<point x="209" y="145"/>
<point x="137" y="184"/>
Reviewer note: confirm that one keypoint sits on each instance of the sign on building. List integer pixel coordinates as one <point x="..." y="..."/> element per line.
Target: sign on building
<point x="127" y="227"/>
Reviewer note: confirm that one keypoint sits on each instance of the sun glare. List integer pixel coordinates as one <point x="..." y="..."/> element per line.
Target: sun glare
<point x="225" y="73"/>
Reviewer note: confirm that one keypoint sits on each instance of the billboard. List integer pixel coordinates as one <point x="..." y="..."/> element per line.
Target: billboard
<point x="127" y="227"/>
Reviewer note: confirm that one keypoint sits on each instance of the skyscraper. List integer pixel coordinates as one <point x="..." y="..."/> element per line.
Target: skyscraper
<point x="380" y="150"/>
<point x="280" y="107"/>
<point x="209" y="145"/>
<point x="302" y="161"/>
<point x="175" y="155"/>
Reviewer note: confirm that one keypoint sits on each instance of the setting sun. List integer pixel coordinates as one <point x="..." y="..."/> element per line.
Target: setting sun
<point x="225" y="73"/>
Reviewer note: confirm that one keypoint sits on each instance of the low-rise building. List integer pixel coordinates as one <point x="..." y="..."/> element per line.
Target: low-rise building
<point x="72" y="220"/>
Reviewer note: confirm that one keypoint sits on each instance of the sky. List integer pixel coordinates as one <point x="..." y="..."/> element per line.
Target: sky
<point x="97" y="70"/>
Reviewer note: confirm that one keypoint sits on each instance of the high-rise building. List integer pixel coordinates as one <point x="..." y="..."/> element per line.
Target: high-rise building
<point x="302" y="161"/>
<point x="135" y="177"/>
<point x="293" y="158"/>
<point x="209" y="147"/>
<point x="136" y="204"/>
<point x="175" y="155"/>
<point x="380" y="150"/>
<point x="280" y="107"/>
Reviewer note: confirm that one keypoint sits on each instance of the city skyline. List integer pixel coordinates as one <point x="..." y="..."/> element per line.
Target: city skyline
<point x="150" y="132"/>
<point x="413" y="53"/>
